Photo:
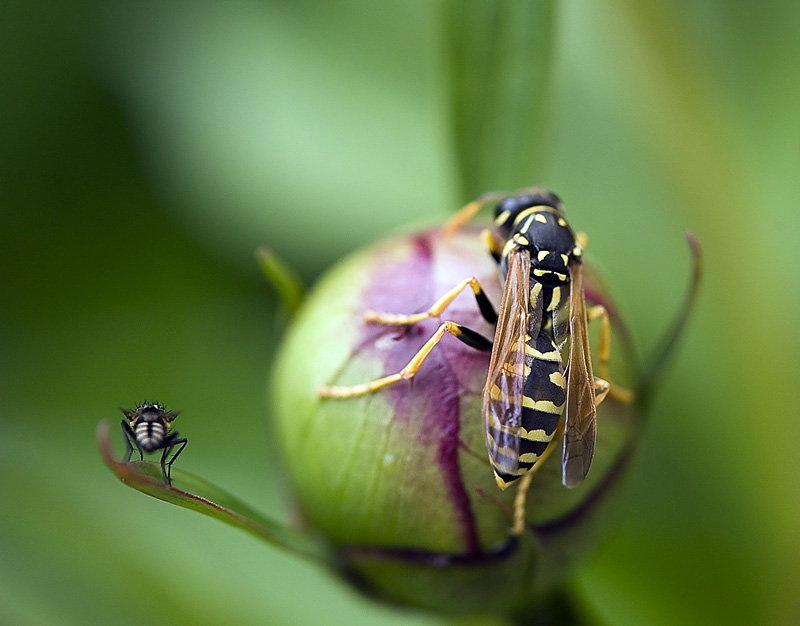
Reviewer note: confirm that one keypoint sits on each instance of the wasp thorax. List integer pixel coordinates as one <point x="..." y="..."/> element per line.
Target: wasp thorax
<point x="552" y="246"/>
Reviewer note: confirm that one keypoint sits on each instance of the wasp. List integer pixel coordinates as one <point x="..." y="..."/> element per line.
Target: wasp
<point x="531" y="398"/>
<point x="148" y="428"/>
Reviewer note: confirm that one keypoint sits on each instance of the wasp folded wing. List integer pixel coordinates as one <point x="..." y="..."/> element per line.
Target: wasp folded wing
<point x="581" y="412"/>
<point x="503" y="393"/>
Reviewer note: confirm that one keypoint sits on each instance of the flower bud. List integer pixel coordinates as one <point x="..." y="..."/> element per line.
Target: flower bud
<point x="398" y="480"/>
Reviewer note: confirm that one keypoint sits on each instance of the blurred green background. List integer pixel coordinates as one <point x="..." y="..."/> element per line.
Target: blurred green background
<point x="147" y="148"/>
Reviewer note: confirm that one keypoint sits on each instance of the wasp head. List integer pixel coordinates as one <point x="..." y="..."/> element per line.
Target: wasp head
<point x="534" y="219"/>
<point x="508" y="210"/>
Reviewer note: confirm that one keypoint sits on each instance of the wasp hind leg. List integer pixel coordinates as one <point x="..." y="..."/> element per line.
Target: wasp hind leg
<point x="464" y="334"/>
<point x="603" y="387"/>
<point x="521" y="497"/>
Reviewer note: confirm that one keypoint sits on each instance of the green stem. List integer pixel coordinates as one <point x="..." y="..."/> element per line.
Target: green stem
<point x="499" y="56"/>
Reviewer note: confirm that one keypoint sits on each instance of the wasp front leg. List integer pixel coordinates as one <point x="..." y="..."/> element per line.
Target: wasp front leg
<point x="487" y="310"/>
<point x="468" y="211"/>
<point x="464" y="334"/>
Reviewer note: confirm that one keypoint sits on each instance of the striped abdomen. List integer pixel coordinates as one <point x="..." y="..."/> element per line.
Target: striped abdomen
<point x="150" y="434"/>
<point x="543" y="401"/>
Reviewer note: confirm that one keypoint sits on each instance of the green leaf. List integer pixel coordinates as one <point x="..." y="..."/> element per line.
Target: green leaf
<point x="199" y="495"/>
<point x="499" y="56"/>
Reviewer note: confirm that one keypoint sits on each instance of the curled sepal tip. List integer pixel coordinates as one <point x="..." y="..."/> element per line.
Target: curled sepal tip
<point x="286" y="282"/>
<point x="667" y="347"/>
<point x="192" y="492"/>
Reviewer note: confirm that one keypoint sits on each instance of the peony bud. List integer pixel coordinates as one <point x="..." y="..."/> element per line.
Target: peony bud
<point x="398" y="479"/>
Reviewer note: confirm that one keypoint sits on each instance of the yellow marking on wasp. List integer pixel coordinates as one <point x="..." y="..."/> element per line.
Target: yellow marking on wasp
<point x="535" y="435"/>
<point x="505" y="451"/>
<point x="535" y="212"/>
<point x="501" y="484"/>
<point x="562" y="221"/>
<point x="518" y="369"/>
<point x="565" y="258"/>
<point x="529" y="457"/>
<point x="553" y="355"/>
<point x="524" y="228"/>
<point x="507" y="429"/>
<point x="555" y="300"/>
<point x="517" y="241"/>
<point x="494" y="422"/>
<point x="557" y="378"/>
<point x="535" y="291"/>
<point x="542" y="255"/>
<point x="501" y="218"/>
<point x="545" y="406"/>
<point x="559" y="275"/>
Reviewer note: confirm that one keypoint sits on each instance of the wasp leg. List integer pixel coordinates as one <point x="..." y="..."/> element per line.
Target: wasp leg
<point x="603" y="353"/>
<point x="464" y="334"/>
<point x="468" y="211"/>
<point x="601" y="389"/>
<point x="485" y="306"/>
<point x="521" y="497"/>
<point x="130" y="442"/>
<point x="166" y="466"/>
<point x="493" y="244"/>
<point x="604" y="345"/>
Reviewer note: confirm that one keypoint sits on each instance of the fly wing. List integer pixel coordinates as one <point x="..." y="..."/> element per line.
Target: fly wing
<point x="502" y="395"/>
<point x="581" y="412"/>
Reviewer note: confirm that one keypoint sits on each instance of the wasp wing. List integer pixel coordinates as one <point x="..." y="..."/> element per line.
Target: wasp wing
<point x="502" y="395"/>
<point x="581" y="413"/>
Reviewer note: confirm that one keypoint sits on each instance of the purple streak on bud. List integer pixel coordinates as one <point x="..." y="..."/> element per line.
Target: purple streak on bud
<point x="417" y="282"/>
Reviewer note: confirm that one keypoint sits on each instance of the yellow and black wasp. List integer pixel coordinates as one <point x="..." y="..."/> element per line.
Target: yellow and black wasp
<point x="531" y="398"/>
<point x="148" y="428"/>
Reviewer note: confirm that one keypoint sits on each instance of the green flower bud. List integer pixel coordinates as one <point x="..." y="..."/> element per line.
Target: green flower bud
<point x="398" y="480"/>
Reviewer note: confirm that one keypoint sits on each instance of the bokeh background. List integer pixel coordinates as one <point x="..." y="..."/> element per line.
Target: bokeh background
<point x="146" y="150"/>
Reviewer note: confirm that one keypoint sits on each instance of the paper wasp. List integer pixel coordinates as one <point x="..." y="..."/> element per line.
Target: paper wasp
<point x="149" y="428"/>
<point x="531" y="399"/>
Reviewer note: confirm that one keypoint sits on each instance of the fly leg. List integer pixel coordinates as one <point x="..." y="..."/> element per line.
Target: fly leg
<point x="166" y="465"/>
<point x="130" y="442"/>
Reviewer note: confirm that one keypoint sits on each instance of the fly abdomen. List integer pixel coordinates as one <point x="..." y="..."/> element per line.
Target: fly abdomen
<point x="150" y="435"/>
